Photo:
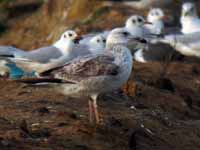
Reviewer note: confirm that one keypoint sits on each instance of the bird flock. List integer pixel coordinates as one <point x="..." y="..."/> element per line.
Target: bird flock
<point x="93" y="64"/>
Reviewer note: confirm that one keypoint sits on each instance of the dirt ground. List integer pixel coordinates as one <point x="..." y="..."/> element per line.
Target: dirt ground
<point x="164" y="114"/>
<point x="158" y="110"/>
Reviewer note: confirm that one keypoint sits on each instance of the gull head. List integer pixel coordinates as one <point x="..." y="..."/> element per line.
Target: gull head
<point x="67" y="41"/>
<point x="98" y="41"/>
<point x="70" y="35"/>
<point x="97" y="44"/>
<point x="135" y="21"/>
<point x="155" y="14"/>
<point x="189" y="9"/>
<point x="118" y="36"/>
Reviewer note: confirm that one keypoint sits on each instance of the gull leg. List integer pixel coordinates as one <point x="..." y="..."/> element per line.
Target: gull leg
<point x="95" y="108"/>
<point x="90" y="111"/>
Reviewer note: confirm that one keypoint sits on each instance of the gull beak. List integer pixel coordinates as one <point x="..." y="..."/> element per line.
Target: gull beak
<point x="147" y="22"/>
<point x="77" y="39"/>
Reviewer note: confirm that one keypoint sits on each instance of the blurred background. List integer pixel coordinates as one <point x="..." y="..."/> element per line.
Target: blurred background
<point x="33" y="23"/>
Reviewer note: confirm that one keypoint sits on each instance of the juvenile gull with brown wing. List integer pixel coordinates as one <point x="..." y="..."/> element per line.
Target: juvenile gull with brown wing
<point x="90" y="76"/>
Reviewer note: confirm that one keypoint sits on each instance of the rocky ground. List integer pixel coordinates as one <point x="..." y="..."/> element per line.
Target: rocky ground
<point x="164" y="114"/>
<point x="159" y="108"/>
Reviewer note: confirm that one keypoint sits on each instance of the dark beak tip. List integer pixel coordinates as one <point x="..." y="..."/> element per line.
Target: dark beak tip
<point x="77" y="40"/>
<point x="148" y="22"/>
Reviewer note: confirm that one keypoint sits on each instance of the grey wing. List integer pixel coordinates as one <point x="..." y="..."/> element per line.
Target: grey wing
<point x="194" y="46"/>
<point x="9" y="50"/>
<point x="86" y="67"/>
<point x="43" y="55"/>
<point x="87" y="38"/>
<point x="80" y="50"/>
<point x="187" y="38"/>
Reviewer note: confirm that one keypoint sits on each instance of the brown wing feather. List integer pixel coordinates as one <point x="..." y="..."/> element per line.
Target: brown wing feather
<point x="41" y="80"/>
<point x="86" y="67"/>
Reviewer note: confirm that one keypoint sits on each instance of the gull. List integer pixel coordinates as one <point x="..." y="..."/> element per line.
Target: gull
<point x="60" y="51"/>
<point x="153" y="52"/>
<point x="155" y="16"/>
<point x="47" y="54"/>
<point x="136" y="26"/>
<point x="189" y="19"/>
<point x="89" y="76"/>
<point x="186" y="44"/>
<point x="30" y="63"/>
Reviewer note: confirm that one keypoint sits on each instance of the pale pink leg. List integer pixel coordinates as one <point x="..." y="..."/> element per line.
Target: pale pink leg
<point x="95" y="108"/>
<point x="90" y="111"/>
<point x="96" y="111"/>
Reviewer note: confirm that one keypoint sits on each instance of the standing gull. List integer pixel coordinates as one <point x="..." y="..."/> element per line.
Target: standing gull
<point x="92" y="75"/>
<point x="189" y="19"/>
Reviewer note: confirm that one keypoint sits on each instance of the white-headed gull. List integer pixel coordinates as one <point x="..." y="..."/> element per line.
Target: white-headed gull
<point x="135" y="25"/>
<point x="62" y="51"/>
<point x="189" y="19"/>
<point x="45" y="55"/>
<point x="92" y="75"/>
<point x="96" y="44"/>
<point x="155" y="16"/>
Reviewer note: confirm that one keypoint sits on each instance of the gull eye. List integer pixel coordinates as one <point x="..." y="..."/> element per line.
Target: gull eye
<point x="70" y="35"/>
<point x="104" y="40"/>
<point x="98" y="40"/>
<point x="156" y="13"/>
<point x="133" y="21"/>
<point x="140" y="20"/>
<point x="125" y="33"/>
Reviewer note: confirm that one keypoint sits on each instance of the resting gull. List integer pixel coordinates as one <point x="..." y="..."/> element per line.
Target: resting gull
<point x="155" y="16"/>
<point x="45" y="55"/>
<point x="29" y="62"/>
<point x="189" y="19"/>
